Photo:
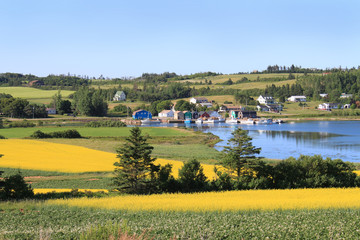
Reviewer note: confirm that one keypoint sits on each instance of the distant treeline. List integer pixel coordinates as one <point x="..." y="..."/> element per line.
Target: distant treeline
<point x="20" y="108"/>
<point x="332" y="83"/>
<point x="49" y="82"/>
<point x="298" y="69"/>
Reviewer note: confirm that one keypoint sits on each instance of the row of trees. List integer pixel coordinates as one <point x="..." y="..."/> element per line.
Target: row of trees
<point x="64" y="81"/>
<point x="90" y="102"/>
<point x="240" y="168"/>
<point x="20" y="108"/>
<point x="333" y="84"/>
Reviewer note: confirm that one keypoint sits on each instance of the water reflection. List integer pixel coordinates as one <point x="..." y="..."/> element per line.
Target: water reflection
<point x="298" y="135"/>
<point x="335" y="139"/>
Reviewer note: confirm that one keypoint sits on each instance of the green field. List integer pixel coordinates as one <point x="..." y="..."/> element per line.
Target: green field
<point x="94" y="132"/>
<point x="34" y="95"/>
<point x="29" y="220"/>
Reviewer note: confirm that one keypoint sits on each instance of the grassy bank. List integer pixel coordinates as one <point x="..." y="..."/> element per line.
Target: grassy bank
<point x="96" y="132"/>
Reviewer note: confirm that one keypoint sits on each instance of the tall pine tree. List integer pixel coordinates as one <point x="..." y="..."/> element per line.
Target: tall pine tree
<point x="239" y="156"/>
<point x="135" y="170"/>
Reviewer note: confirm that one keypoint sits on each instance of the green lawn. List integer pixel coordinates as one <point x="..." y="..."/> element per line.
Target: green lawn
<point x="185" y="152"/>
<point x="33" y="94"/>
<point x="95" y="132"/>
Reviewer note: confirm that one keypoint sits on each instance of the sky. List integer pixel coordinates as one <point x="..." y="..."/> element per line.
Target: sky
<point x="118" y="38"/>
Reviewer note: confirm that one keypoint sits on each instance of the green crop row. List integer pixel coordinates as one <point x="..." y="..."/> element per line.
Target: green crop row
<point x="32" y="220"/>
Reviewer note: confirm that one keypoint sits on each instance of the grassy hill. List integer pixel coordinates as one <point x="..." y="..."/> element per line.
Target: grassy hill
<point x="34" y="95"/>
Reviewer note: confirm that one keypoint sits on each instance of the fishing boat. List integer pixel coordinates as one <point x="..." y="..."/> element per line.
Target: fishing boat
<point x="231" y="120"/>
<point x="278" y="121"/>
<point x="221" y="119"/>
<point x="199" y="121"/>
<point x="145" y="121"/>
<point x="209" y="121"/>
<point x="264" y="121"/>
<point x="155" y="121"/>
<point x="247" y="121"/>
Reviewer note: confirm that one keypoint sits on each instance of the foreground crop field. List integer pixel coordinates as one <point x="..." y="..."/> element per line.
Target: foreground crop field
<point x="228" y="201"/>
<point x="27" y="220"/>
<point x="46" y="156"/>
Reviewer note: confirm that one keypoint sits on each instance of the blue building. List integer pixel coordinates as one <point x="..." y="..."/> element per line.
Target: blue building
<point x="141" y="114"/>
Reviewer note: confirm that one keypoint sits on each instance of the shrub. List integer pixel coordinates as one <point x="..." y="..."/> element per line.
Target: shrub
<point x="39" y="134"/>
<point x="72" y="133"/>
<point x="24" y="123"/>
<point x="108" y="123"/>
<point x="16" y="188"/>
<point x="2" y="137"/>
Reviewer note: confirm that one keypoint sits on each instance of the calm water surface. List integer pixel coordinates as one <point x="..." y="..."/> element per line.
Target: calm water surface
<point x="334" y="139"/>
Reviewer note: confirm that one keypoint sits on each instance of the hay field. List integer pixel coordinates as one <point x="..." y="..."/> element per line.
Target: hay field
<point x="33" y="94"/>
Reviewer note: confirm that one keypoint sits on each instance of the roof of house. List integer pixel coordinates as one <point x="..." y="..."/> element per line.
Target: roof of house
<point x="266" y="96"/>
<point x="166" y="111"/>
<point x="139" y="111"/>
<point x="298" y="96"/>
<point x="119" y="92"/>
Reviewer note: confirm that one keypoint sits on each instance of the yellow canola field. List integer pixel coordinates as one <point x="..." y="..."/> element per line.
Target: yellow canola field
<point x="61" y="190"/>
<point x="226" y="201"/>
<point x="38" y="155"/>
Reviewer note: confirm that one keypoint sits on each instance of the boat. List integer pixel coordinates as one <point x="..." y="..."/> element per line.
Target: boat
<point x="199" y="121"/>
<point x="231" y="120"/>
<point x="187" y="121"/>
<point x="145" y="121"/>
<point x="278" y="121"/>
<point x="155" y="121"/>
<point x="221" y="119"/>
<point x="247" y="121"/>
<point x="264" y="121"/>
<point x="209" y="121"/>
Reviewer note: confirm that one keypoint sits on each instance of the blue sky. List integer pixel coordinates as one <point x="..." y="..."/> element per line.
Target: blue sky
<point x="127" y="38"/>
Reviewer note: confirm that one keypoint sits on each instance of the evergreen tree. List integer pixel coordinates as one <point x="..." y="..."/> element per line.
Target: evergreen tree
<point x="239" y="156"/>
<point x="135" y="171"/>
<point x="15" y="187"/>
<point x="192" y="177"/>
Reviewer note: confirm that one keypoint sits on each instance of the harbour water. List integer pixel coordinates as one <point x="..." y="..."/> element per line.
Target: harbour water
<point x="334" y="139"/>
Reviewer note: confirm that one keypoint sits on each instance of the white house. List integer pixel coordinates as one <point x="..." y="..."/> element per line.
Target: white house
<point x="297" y="99"/>
<point x="196" y="100"/>
<point x="328" y="106"/>
<point x="119" y="96"/>
<point x="266" y="99"/>
<point x="166" y="113"/>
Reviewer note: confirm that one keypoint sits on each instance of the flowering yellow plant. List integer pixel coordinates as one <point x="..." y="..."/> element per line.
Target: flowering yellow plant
<point x="46" y="156"/>
<point x="226" y="201"/>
